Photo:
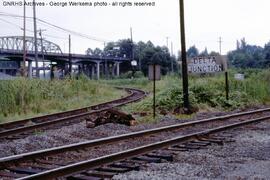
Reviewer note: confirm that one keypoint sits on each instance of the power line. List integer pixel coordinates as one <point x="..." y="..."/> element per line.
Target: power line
<point x="57" y="27"/>
<point x="55" y="37"/>
<point x="10" y="23"/>
<point x="73" y="32"/>
<point x="21" y="28"/>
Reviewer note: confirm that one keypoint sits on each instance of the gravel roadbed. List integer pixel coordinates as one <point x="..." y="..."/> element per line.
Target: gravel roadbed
<point x="79" y="133"/>
<point x="246" y="158"/>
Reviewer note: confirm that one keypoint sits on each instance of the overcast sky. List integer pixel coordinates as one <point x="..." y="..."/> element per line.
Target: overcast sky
<point x="206" y="21"/>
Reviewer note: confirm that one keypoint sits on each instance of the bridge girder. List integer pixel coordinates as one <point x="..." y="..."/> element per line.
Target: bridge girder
<point x="15" y="43"/>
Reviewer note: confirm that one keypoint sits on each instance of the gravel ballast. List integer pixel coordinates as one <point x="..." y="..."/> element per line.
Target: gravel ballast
<point x="79" y="133"/>
<point x="246" y="158"/>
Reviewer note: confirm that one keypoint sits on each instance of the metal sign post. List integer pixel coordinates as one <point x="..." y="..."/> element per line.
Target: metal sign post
<point x="227" y="85"/>
<point x="154" y="75"/>
<point x="154" y="92"/>
<point x="69" y="56"/>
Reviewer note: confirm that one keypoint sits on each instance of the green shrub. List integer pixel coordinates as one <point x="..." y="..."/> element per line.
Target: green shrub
<point x="209" y="91"/>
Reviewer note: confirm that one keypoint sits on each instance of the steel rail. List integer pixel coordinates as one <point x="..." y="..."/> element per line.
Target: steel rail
<point x="93" y="163"/>
<point x="107" y="140"/>
<point x="24" y="121"/>
<point x="115" y="103"/>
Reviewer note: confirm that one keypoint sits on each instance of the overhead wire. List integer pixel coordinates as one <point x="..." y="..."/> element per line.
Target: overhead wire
<point x="21" y="28"/>
<point x="8" y="22"/>
<point x="57" y="27"/>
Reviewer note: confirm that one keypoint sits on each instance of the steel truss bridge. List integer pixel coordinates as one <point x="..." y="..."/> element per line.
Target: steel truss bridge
<point x="15" y="43"/>
<point x="11" y="49"/>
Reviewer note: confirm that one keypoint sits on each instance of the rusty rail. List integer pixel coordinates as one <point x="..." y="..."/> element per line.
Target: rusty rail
<point x="107" y="140"/>
<point x="73" y="115"/>
<point x="93" y="163"/>
<point x="66" y="170"/>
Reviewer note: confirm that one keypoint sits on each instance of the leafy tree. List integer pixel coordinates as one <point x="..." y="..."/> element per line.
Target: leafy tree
<point x="213" y="53"/>
<point x="89" y="51"/>
<point x="247" y="56"/>
<point x="192" y="51"/>
<point x="266" y="61"/>
<point x="204" y="53"/>
<point x="95" y="52"/>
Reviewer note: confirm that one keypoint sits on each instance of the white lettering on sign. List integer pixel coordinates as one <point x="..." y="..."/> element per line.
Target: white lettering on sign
<point x="210" y="64"/>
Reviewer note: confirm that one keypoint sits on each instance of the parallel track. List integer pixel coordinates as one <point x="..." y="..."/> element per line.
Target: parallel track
<point x="29" y="165"/>
<point x="77" y="115"/>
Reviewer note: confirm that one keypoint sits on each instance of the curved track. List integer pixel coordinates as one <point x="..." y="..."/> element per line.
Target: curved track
<point x="77" y="161"/>
<point x="20" y="129"/>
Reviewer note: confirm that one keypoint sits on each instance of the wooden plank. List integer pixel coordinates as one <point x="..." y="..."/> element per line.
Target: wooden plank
<point x="147" y="159"/>
<point x="11" y="175"/>
<point x="112" y="169"/>
<point x="24" y="170"/>
<point x="99" y="174"/>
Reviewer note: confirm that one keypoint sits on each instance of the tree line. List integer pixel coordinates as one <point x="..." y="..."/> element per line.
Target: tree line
<point x="144" y="53"/>
<point x="250" y="56"/>
<point x="244" y="56"/>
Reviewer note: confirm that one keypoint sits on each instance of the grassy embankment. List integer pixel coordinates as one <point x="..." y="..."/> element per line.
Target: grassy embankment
<point x="22" y="98"/>
<point x="206" y="93"/>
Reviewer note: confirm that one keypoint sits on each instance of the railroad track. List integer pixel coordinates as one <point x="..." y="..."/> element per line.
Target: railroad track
<point x="21" y="129"/>
<point x="103" y="158"/>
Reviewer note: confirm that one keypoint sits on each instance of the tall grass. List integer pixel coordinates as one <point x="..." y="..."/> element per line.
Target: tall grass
<point x="22" y="97"/>
<point x="208" y="92"/>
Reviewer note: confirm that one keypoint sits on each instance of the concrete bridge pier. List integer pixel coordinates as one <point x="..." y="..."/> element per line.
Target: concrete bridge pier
<point x="92" y="71"/>
<point x="98" y="70"/>
<point x="86" y="69"/>
<point x="113" y="69"/>
<point x="117" y="64"/>
<point x="30" y="69"/>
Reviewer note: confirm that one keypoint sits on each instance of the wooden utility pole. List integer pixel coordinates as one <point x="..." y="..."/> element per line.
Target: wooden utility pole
<point x="106" y="63"/>
<point x="132" y="45"/>
<point x="42" y="50"/>
<point x="172" y="69"/>
<point x="132" y="53"/>
<point x="140" y="61"/>
<point x="184" y="57"/>
<point x="69" y="56"/>
<point x="226" y="72"/>
<point x="154" y="91"/>
<point x="24" y="40"/>
<point x="220" y="42"/>
<point x="35" y="38"/>
<point x="167" y="42"/>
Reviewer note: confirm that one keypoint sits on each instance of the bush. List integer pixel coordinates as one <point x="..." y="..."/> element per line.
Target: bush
<point x="129" y="75"/>
<point x="211" y="91"/>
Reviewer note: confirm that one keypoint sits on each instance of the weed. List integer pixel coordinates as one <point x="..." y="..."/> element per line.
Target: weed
<point x="23" y="97"/>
